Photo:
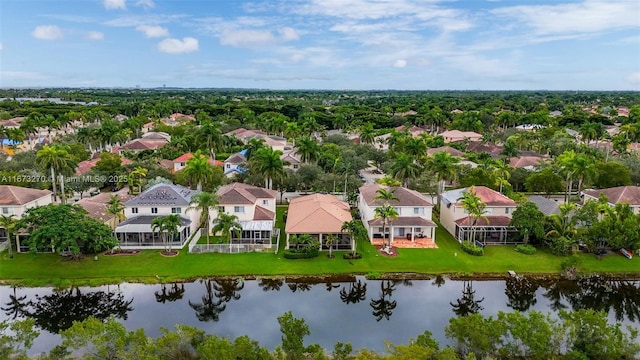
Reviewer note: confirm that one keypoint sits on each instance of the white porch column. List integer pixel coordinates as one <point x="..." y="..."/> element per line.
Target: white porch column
<point x="413" y="233"/>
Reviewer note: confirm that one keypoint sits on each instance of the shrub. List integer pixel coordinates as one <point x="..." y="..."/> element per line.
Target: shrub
<point x="352" y="256"/>
<point x="473" y="249"/>
<point x="526" y="249"/>
<point x="290" y="254"/>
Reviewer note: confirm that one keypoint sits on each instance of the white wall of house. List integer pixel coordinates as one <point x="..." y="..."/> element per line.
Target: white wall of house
<point x="183" y="211"/>
<point x="244" y="212"/>
<point x="634" y="207"/>
<point x="367" y="214"/>
<point x="19" y="210"/>
<point x="448" y="215"/>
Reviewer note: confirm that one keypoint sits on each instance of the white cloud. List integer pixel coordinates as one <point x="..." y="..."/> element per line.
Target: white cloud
<point x="400" y="63"/>
<point x="588" y="16"/>
<point x="137" y="20"/>
<point x="95" y="35"/>
<point x="252" y="38"/>
<point x="115" y="4"/>
<point x="634" y="78"/>
<point x="177" y="46"/>
<point x="147" y="4"/>
<point x="153" y="31"/>
<point x="47" y="32"/>
<point x="288" y="34"/>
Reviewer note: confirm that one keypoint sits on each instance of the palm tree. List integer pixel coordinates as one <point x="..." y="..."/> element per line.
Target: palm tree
<point x="443" y="165"/>
<point x="57" y="160"/>
<point x="354" y="228"/>
<point x="253" y="145"/>
<point x="226" y="223"/>
<point x="211" y="133"/>
<point x="405" y="168"/>
<point x="562" y="229"/>
<point x="329" y="240"/>
<point x="8" y="222"/>
<point x="203" y="202"/>
<point x="386" y="195"/>
<point x="267" y="161"/>
<point x="198" y="169"/>
<point x="367" y="133"/>
<point x="167" y="226"/>
<point x="475" y="207"/>
<point x="135" y="179"/>
<point x="308" y="149"/>
<point x="116" y="209"/>
<point x="502" y="171"/>
<point x="387" y="213"/>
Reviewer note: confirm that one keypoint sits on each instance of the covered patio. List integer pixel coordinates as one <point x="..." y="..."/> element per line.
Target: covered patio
<point x="254" y="232"/>
<point x="136" y="232"/>
<point x="408" y="228"/>
<point x="488" y="230"/>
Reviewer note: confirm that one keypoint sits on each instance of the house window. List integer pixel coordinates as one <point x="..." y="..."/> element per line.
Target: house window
<point x="154" y="210"/>
<point x="418" y="211"/>
<point x="228" y="166"/>
<point x="5" y="210"/>
<point x="398" y="210"/>
<point x="238" y="209"/>
<point x="182" y="164"/>
<point x="176" y="210"/>
<point x="134" y="210"/>
<point x="221" y="209"/>
<point x="295" y="166"/>
<point x="265" y="202"/>
<point x="488" y="210"/>
<point x="507" y="210"/>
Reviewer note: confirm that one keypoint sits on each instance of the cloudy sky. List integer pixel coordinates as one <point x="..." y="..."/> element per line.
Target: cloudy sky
<point x="322" y="44"/>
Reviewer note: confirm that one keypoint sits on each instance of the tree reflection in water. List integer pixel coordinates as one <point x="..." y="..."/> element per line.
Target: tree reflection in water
<point x="300" y="286"/>
<point x="521" y="293"/>
<point x="58" y="311"/>
<point x="439" y="281"/>
<point x="176" y="292"/>
<point x="16" y="305"/>
<point x="383" y="306"/>
<point x="271" y="284"/>
<point x="357" y="292"/>
<point x="217" y="294"/>
<point x="467" y="304"/>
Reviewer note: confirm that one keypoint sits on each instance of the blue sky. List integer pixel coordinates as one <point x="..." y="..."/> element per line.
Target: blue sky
<point x="322" y="44"/>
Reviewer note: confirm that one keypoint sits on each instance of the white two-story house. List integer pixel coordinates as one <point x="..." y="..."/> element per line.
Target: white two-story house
<point x="157" y="201"/>
<point x="491" y="228"/>
<point x="16" y="200"/>
<point x="255" y="208"/>
<point x="414" y="214"/>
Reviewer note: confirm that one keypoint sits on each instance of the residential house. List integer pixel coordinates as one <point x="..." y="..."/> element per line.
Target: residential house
<point x="86" y="165"/>
<point x="525" y="162"/>
<point x="617" y="195"/>
<point x="157" y="201"/>
<point x="292" y="159"/>
<point x="492" y="228"/>
<point x="457" y="135"/>
<point x="232" y="165"/>
<point x="452" y="151"/>
<point x="138" y="145"/>
<point x="97" y="206"/>
<point x="545" y="205"/>
<point x="319" y="215"/>
<point x="16" y="200"/>
<point x="414" y="215"/>
<point x="255" y="208"/>
<point x="180" y="162"/>
<point x="273" y="141"/>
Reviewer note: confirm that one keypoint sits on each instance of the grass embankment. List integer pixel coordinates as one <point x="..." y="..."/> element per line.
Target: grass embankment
<point x="150" y="266"/>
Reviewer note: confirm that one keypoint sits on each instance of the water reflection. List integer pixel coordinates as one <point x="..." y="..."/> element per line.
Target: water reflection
<point x="383" y="306"/>
<point x="268" y="284"/>
<point x="174" y="293"/>
<point x="58" y="311"/>
<point x="357" y="292"/>
<point x="467" y="304"/>
<point x="521" y="293"/>
<point x="217" y="294"/>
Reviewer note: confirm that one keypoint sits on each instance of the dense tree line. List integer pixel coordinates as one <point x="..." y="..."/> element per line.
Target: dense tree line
<point x="583" y="334"/>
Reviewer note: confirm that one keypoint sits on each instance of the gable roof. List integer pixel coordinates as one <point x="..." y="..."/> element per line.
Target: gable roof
<point x="406" y="197"/>
<point x="186" y="156"/>
<point x="144" y="144"/>
<point x="488" y="196"/>
<point x="618" y="195"/>
<point x="18" y="195"/>
<point x="237" y="158"/>
<point x="291" y="157"/>
<point x="240" y="193"/>
<point x="547" y="206"/>
<point x="86" y="165"/>
<point x="97" y="206"/>
<point x="525" y="161"/>
<point x="164" y="195"/>
<point x="317" y="213"/>
<point x="263" y="214"/>
<point x="449" y="149"/>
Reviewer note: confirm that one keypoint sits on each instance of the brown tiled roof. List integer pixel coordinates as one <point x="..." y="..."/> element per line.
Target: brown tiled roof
<point x="263" y="214"/>
<point x="17" y="195"/>
<point x="85" y="166"/>
<point x="492" y="197"/>
<point x="96" y="206"/>
<point x="239" y="193"/>
<point x="524" y="161"/>
<point x="405" y="221"/>
<point x="449" y="149"/>
<point x="405" y="196"/>
<point x="618" y="195"/>
<point x="142" y="144"/>
<point x="317" y="213"/>
<point x="480" y="147"/>
<point x="236" y="158"/>
<point x="494" y="220"/>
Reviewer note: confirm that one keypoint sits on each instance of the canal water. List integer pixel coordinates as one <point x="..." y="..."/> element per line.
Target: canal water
<point x="347" y="309"/>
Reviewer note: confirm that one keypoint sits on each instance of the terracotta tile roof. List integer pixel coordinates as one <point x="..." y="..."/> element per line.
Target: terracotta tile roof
<point x="167" y="164"/>
<point x="17" y="195"/>
<point x="236" y="158"/>
<point x="618" y="195"/>
<point x="187" y="156"/>
<point x="480" y="147"/>
<point x="317" y="213"/>
<point x="143" y="144"/>
<point x="405" y="196"/>
<point x="524" y="161"/>
<point x="494" y="220"/>
<point x="85" y="166"/>
<point x="96" y="206"/>
<point x="449" y="149"/>
<point x="488" y="196"/>
<point x="239" y="193"/>
<point x="405" y="221"/>
<point x="263" y="214"/>
<point x="11" y="123"/>
<point x="291" y="157"/>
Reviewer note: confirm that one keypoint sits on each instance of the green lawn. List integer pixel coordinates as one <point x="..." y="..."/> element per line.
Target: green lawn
<point x="150" y="266"/>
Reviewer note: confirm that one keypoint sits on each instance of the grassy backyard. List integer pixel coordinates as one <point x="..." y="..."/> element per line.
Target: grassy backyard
<point x="150" y="266"/>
